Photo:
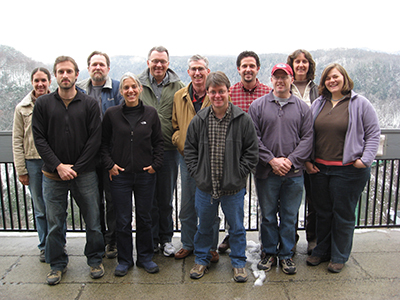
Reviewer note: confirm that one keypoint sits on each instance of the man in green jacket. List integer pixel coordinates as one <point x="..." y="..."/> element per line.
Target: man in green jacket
<point x="160" y="84"/>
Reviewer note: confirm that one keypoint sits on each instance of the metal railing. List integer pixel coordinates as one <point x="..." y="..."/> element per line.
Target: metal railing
<point x="378" y="205"/>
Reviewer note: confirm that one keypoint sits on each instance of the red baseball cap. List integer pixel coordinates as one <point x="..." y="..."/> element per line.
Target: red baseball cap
<point x="284" y="67"/>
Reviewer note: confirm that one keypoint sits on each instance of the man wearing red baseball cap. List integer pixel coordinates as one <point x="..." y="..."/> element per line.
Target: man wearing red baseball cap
<point x="284" y="128"/>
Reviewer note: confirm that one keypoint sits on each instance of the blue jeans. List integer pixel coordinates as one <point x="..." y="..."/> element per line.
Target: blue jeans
<point x="34" y="167"/>
<point x="84" y="189"/>
<point x="161" y="213"/>
<point x="279" y="195"/>
<point x="336" y="191"/>
<point x="233" y="208"/>
<point x="142" y="185"/>
<point x="187" y="215"/>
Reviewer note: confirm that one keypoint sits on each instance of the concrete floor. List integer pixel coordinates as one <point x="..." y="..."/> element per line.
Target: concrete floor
<point x="373" y="272"/>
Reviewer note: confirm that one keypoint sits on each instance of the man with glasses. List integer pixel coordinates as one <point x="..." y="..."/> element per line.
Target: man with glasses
<point x="284" y="128"/>
<point x="221" y="149"/>
<point x="160" y="84"/>
<point x="187" y="103"/>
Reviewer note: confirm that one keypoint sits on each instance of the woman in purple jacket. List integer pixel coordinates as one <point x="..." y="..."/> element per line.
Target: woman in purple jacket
<point x="132" y="151"/>
<point x="346" y="139"/>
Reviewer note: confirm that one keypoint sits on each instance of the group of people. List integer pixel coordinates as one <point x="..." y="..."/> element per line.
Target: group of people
<point x="103" y="140"/>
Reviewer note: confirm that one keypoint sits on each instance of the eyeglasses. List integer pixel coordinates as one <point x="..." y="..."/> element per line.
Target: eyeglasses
<point x="221" y="92"/>
<point x="161" y="61"/>
<point x="200" y="69"/>
<point x="280" y="77"/>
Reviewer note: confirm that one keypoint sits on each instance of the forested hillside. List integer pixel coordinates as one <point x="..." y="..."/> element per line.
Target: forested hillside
<point x="376" y="76"/>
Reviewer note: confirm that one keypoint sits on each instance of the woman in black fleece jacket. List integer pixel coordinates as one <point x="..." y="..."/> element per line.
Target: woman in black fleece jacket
<point x="132" y="151"/>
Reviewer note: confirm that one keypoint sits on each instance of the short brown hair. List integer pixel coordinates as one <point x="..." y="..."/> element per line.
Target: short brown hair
<point x="217" y="78"/>
<point x="98" y="53"/>
<point x="61" y="59"/>
<point x="348" y="84"/>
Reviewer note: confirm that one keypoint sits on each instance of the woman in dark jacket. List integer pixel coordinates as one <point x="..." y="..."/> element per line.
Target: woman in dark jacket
<point x="132" y="151"/>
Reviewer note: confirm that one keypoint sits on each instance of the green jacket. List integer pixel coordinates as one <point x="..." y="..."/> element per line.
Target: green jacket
<point x="164" y="107"/>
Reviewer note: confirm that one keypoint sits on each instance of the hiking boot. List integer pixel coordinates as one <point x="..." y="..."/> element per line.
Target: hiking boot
<point x="288" y="266"/>
<point x="311" y="245"/>
<point x="198" y="271"/>
<point x="111" y="251"/>
<point x="42" y="256"/>
<point x="54" y="277"/>
<point x="335" y="267"/>
<point x="149" y="266"/>
<point x="182" y="253"/>
<point x="266" y="262"/>
<point x="214" y="256"/>
<point x="240" y="274"/>
<point x="224" y="245"/>
<point x="97" y="272"/>
<point x="168" y="249"/>
<point x="314" y="260"/>
<point x="121" y="270"/>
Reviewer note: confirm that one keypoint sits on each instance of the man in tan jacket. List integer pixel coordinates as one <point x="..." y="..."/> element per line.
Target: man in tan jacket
<point x="187" y="102"/>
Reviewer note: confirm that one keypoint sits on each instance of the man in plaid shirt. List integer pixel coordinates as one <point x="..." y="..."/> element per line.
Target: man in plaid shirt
<point x="249" y="88"/>
<point x="243" y="93"/>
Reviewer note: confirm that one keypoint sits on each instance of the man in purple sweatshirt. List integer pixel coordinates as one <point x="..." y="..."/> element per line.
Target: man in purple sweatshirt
<point x="284" y="128"/>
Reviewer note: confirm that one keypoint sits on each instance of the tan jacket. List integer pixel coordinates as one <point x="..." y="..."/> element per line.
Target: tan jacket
<point x="182" y="113"/>
<point x="22" y="137"/>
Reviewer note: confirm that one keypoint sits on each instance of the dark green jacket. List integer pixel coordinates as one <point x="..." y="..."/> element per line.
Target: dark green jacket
<point x="164" y="107"/>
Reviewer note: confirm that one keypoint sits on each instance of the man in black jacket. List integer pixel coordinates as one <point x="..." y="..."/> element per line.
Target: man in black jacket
<point x="66" y="127"/>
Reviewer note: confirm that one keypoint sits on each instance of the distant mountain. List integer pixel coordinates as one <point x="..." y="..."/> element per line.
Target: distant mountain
<point x="376" y="75"/>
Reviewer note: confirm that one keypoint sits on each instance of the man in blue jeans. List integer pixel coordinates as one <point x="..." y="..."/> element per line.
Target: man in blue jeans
<point x="188" y="101"/>
<point x="66" y="127"/>
<point x="284" y="129"/>
<point x="221" y="149"/>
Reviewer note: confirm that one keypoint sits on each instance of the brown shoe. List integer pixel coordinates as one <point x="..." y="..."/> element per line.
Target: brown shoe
<point x="314" y="260"/>
<point x="182" y="253"/>
<point x="215" y="256"/>
<point x="311" y="245"/>
<point x="224" y="245"/>
<point x="334" y="267"/>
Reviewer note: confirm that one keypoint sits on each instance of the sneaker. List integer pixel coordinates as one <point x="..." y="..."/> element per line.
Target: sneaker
<point x="54" y="277"/>
<point x="168" y="249"/>
<point x="288" y="266"/>
<point x="335" y="267"/>
<point x="182" y="253"/>
<point x="214" y="256"/>
<point x="121" y="270"/>
<point x="97" y="272"/>
<point x="224" y="245"/>
<point x="266" y="262"/>
<point x="42" y="257"/>
<point x="240" y="274"/>
<point x="111" y="251"/>
<point x="149" y="266"/>
<point x="198" y="271"/>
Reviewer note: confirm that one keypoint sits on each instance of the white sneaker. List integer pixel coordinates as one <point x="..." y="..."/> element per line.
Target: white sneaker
<point x="168" y="249"/>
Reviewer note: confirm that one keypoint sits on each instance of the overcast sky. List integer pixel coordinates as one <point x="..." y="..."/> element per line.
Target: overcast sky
<point x="43" y="30"/>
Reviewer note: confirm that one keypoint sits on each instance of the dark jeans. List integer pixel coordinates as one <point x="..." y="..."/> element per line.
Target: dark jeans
<point x="161" y="213"/>
<point x="107" y="213"/>
<point x="85" y="192"/>
<point x="142" y="185"/>
<point x="336" y="191"/>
